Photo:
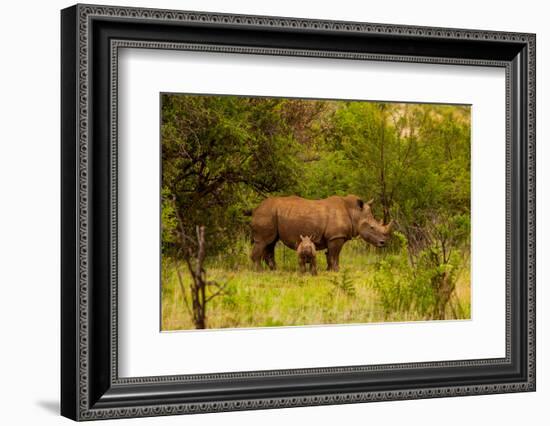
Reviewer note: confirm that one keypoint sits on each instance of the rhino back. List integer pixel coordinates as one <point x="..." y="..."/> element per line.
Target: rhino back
<point x="320" y="219"/>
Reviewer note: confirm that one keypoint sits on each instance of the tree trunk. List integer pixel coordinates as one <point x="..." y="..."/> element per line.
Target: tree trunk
<point x="444" y="289"/>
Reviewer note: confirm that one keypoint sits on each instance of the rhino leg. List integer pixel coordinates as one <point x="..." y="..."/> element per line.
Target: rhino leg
<point x="313" y="266"/>
<point x="269" y="255"/>
<point x="333" y="254"/>
<point x="264" y="237"/>
<point x="258" y="253"/>
<point x="302" y="264"/>
<point x="266" y="252"/>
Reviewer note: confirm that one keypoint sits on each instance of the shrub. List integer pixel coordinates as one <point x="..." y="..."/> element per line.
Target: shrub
<point x="343" y="283"/>
<point x="421" y="284"/>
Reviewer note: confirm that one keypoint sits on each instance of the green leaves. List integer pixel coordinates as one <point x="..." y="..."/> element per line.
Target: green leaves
<point x="220" y="154"/>
<point x="413" y="157"/>
<point x="343" y="283"/>
<point x="421" y="281"/>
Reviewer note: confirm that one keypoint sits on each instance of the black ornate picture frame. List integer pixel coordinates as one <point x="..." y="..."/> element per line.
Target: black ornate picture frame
<point x="90" y="385"/>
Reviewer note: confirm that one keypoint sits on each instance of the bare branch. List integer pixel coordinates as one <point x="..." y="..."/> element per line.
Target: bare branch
<point x="221" y="289"/>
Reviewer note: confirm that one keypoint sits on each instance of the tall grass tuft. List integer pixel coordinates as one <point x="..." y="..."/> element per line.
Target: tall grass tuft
<point x="344" y="283"/>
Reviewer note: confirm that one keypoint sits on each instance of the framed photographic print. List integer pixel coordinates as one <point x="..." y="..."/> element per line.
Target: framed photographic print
<point x="263" y="212"/>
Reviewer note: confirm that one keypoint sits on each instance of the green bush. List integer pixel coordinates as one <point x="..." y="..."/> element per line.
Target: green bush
<point x="343" y="283"/>
<point x="423" y="288"/>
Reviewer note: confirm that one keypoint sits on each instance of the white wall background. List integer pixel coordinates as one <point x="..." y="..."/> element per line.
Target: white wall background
<point x="29" y="212"/>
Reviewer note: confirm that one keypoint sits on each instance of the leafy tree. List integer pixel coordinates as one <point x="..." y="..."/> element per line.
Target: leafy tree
<point x="218" y="152"/>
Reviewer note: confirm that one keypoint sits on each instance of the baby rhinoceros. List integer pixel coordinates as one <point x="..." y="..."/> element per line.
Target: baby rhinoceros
<point x="306" y="255"/>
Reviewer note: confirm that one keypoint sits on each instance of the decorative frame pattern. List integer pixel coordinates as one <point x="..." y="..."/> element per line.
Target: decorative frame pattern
<point x="89" y="400"/>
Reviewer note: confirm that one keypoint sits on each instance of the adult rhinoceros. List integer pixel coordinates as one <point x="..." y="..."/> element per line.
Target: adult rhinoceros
<point x="330" y="222"/>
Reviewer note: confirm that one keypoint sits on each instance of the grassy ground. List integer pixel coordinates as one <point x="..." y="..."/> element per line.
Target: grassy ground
<point x="285" y="297"/>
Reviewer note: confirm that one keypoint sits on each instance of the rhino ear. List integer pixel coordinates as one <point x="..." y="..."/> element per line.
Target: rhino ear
<point x="302" y="237"/>
<point x="369" y="203"/>
<point x="360" y="204"/>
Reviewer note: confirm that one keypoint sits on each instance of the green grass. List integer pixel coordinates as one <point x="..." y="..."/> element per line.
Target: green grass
<point x="287" y="298"/>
